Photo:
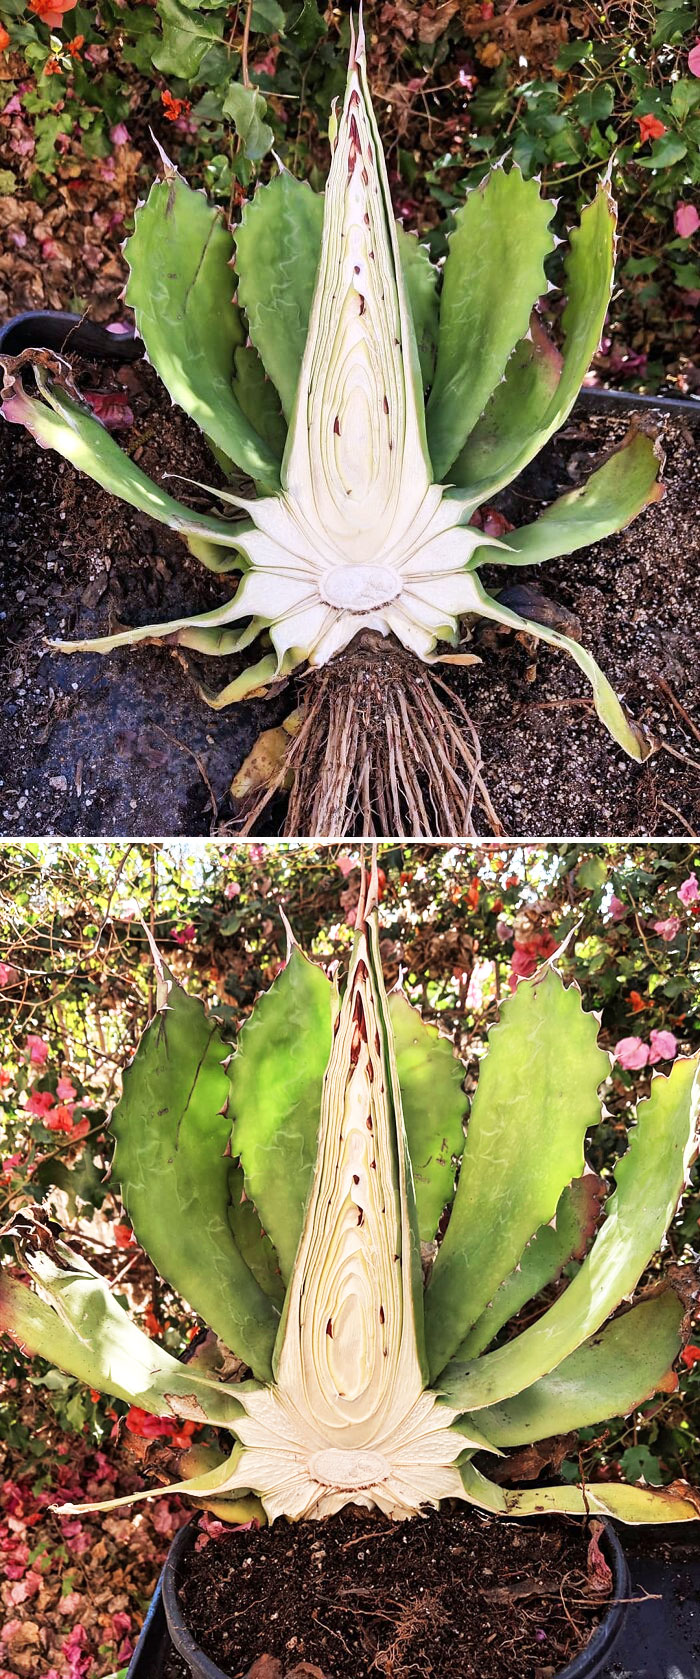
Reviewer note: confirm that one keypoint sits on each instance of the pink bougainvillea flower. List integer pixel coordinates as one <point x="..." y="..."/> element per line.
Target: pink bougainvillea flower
<point x="650" y="128"/>
<point x="39" y="1102"/>
<point x="686" y="220"/>
<point x="631" y="1053"/>
<point x="65" y="1091"/>
<point x="10" y="1164"/>
<point x="8" y="975"/>
<point x="60" y="1119"/>
<point x="81" y="1128"/>
<point x="663" y="1046"/>
<point x="667" y="929"/>
<point x="346" y="866"/>
<point x="119" y="134"/>
<point x="617" y="909"/>
<point x="231" y="889"/>
<point x="689" y="891"/>
<point x="185" y="935"/>
<point x="37" y="1050"/>
<point x="112" y="408"/>
<point x="694" y="59"/>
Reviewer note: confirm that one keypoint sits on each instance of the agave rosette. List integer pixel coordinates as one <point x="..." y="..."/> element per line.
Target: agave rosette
<point x="291" y="1193"/>
<point x="374" y="407"/>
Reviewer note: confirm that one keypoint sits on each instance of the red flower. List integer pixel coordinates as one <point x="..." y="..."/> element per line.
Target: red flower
<point x="636" y="1002"/>
<point x="173" y="107"/>
<point x="40" y="1102"/>
<point x="74" y="46"/>
<point x="690" y="1356"/>
<point x="51" y="11"/>
<point x="123" y="1235"/>
<point x="4" y="38"/>
<point x="650" y="128"/>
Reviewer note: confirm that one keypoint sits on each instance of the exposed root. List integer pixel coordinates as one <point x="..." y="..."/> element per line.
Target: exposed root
<point x="378" y="753"/>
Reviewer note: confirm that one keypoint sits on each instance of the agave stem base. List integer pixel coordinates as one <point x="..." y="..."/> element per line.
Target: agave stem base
<point x="378" y="752"/>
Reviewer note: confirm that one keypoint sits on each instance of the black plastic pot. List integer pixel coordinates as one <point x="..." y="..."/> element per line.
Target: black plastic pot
<point x="58" y="330"/>
<point x="165" y="1617"/>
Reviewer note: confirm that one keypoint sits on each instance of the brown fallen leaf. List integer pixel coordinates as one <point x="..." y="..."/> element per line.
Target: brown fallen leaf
<point x="266" y="1667"/>
<point x="599" y="1571"/>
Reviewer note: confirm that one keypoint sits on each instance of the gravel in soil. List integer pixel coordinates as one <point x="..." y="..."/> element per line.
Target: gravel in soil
<point x="125" y="744"/>
<point x="451" y="1593"/>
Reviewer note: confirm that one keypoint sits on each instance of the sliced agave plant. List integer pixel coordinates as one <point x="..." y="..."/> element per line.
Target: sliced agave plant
<point x="293" y="1193"/>
<point x="376" y="404"/>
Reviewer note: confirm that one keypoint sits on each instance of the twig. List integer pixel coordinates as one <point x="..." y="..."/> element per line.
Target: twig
<point x="245" y="43"/>
<point x="668" y="691"/>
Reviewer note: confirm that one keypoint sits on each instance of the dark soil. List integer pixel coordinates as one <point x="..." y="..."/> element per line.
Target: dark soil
<point x="124" y="744"/>
<point x="454" y="1593"/>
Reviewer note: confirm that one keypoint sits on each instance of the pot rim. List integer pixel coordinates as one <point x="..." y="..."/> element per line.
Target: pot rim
<point x="587" y="1662"/>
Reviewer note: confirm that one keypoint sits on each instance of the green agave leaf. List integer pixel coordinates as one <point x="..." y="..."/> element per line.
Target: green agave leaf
<point x="62" y="424"/>
<point x="258" y="398"/>
<point x="434" y="1105"/>
<point x="276" y="1083"/>
<point x="493" y="275"/>
<point x="649" y="1179"/>
<point x="551" y="1248"/>
<point x="608" y="1376"/>
<point x="514" y="414"/>
<point x="677" y="1503"/>
<point x="209" y="1481"/>
<point x="251" y="1240"/>
<point x="180" y="288"/>
<point x="278" y="245"/>
<point x="628" y="734"/>
<point x="608" y="501"/>
<point x="420" y="279"/>
<point x="589" y="270"/>
<point x="524" y="1144"/>
<point x="171" y="1158"/>
<point x="84" y="1331"/>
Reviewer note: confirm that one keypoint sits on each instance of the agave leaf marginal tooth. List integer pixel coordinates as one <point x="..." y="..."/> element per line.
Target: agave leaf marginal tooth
<point x="348" y="1418"/>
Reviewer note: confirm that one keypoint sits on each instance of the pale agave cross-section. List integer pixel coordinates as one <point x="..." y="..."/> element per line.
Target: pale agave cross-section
<point x="360" y="537"/>
<point x="349" y="1419"/>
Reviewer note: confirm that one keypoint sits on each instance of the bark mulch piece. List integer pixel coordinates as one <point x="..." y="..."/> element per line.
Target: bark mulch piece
<point x="452" y="1593"/>
<point x="125" y="744"/>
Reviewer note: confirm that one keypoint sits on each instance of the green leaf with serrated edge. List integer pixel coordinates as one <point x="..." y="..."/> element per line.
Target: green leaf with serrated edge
<point x="258" y="398"/>
<point x="251" y="1240"/>
<point x="278" y="245"/>
<point x="628" y="734"/>
<point x="551" y="1248"/>
<point x="608" y="501"/>
<point x="609" y="1376"/>
<point x="434" y="1105"/>
<point x="180" y="288"/>
<point x="246" y="107"/>
<point x="514" y="413"/>
<point x="62" y="424"/>
<point x="493" y="276"/>
<point x="188" y="35"/>
<point x="588" y="278"/>
<point x="649" y="1182"/>
<point x="172" y="1138"/>
<point x="276" y="1082"/>
<point x="677" y="1503"/>
<point x="86" y="1333"/>
<point x="524" y="1144"/>
<point x="420" y="279"/>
